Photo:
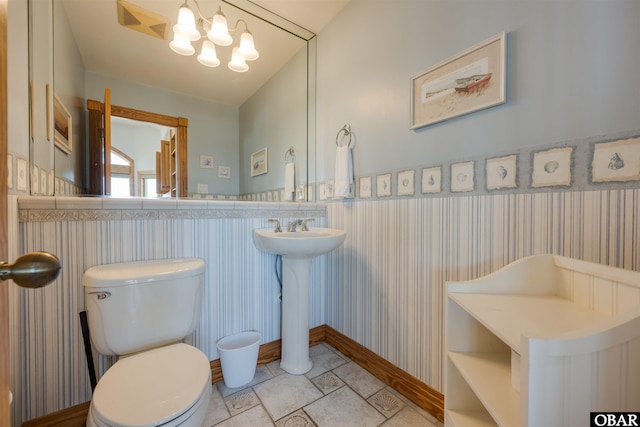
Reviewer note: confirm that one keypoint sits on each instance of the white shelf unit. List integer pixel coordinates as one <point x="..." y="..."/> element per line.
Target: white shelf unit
<point x="542" y="342"/>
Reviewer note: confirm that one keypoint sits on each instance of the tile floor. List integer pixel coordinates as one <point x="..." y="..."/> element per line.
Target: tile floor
<point x="335" y="393"/>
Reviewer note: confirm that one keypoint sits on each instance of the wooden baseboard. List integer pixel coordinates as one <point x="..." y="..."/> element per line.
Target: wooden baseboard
<point x="74" y="416"/>
<point x="420" y="393"/>
<point x="409" y="386"/>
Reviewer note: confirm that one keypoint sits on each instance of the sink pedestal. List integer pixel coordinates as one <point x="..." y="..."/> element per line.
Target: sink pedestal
<point x="295" y="315"/>
<point x="298" y="250"/>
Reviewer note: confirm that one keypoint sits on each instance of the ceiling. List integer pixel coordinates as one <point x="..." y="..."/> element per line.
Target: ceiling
<point x="111" y="49"/>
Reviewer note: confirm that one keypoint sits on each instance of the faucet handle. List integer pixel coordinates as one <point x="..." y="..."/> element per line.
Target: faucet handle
<point x="277" y="229"/>
<point x="304" y="223"/>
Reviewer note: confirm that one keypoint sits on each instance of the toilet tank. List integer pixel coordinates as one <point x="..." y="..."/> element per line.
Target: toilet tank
<point x="134" y="306"/>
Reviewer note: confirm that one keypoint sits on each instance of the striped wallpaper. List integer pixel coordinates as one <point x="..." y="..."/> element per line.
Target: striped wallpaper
<point x="49" y="370"/>
<point x="386" y="282"/>
<point x="383" y="287"/>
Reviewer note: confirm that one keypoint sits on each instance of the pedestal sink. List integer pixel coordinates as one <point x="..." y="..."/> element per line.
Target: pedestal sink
<point x="298" y="250"/>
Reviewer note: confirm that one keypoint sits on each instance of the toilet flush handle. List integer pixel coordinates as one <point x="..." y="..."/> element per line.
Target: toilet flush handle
<point x="101" y="295"/>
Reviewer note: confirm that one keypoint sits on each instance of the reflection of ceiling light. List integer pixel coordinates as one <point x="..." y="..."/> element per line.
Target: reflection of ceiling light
<point x="189" y="29"/>
<point x="208" y="55"/>
<point x="237" y="62"/>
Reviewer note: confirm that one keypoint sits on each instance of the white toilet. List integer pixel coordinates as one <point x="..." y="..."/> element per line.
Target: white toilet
<point x="141" y="311"/>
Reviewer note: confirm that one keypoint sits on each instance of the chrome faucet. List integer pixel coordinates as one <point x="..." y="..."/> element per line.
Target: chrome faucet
<point x="277" y="228"/>
<point x="299" y="222"/>
<point x="293" y="224"/>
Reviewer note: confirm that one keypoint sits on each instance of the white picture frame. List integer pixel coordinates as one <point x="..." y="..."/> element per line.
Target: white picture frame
<point x="462" y="177"/>
<point x="473" y="80"/>
<point x="432" y="180"/>
<point x="259" y="162"/>
<point x="224" y="172"/>
<point x="364" y="186"/>
<point x="206" y="162"/>
<point x="552" y="168"/>
<point x="383" y="185"/>
<point x="406" y="183"/>
<point x="62" y="126"/>
<point x="502" y="172"/>
<point x="616" y="161"/>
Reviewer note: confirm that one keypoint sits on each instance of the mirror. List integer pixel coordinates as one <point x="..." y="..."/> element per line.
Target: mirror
<point x="264" y="108"/>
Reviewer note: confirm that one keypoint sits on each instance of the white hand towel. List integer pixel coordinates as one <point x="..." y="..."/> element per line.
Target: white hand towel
<point x="344" y="172"/>
<point x="289" y="181"/>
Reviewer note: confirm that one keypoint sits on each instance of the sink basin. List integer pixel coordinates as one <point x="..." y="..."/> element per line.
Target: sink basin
<point x="297" y="250"/>
<point x="299" y="244"/>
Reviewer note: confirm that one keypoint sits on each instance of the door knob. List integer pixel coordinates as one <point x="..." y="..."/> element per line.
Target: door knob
<point x="32" y="270"/>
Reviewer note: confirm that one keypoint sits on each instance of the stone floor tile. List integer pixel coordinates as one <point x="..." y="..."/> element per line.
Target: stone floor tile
<point x="217" y="410"/>
<point x="359" y="379"/>
<point x="254" y="417"/>
<point x="324" y="359"/>
<point x="386" y="402"/>
<point x="262" y="374"/>
<point x="286" y="393"/>
<point x="343" y="408"/>
<point x="408" y="417"/>
<point x="241" y="401"/>
<point x="328" y="382"/>
<point x="297" y="419"/>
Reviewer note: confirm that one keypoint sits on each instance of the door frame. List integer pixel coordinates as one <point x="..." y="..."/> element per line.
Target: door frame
<point x="96" y="114"/>
<point x="5" y="410"/>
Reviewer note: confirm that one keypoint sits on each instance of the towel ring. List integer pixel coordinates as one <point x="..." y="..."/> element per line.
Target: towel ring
<point x="290" y="155"/>
<point x="347" y="131"/>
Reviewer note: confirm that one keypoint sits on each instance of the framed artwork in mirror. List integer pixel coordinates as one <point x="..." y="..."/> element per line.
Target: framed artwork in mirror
<point x="206" y="162"/>
<point x="62" y="126"/>
<point x="470" y="81"/>
<point x="224" y="172"/>
<point x="259" y="162"/>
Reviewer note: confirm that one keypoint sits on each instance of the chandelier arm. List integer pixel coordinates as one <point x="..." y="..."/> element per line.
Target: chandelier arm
<point x="234" y="29"/>
<point x="202" y="17"/>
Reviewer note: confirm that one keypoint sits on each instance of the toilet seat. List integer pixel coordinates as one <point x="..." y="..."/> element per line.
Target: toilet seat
<point x="163" y="386"/>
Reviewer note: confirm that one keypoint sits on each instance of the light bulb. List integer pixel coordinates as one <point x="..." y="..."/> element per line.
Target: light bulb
<point x="181" y="45"/>
<point x="186" y="25"/>
<point x="207" y="55"/>
<point x="219" y="32"/>
<point x="237" y="63"/>
<point x="247" y="49"/>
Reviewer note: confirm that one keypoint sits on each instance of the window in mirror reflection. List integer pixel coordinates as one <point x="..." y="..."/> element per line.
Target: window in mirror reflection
<point x="147" y="182"/>
<point x="122" y="167"/>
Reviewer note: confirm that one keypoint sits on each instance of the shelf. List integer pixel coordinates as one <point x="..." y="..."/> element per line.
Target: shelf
<point x="511" y="316"/>
<point x="489" y="376"/>
<point x="470" y="419"/>
<point x="572" y="322"/>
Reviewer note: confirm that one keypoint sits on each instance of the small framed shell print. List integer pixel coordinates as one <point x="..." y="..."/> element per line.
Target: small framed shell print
<point x="502" y="172"/>
<point x="383" y="185"/>
<point x="432" y="180"/>
<point x="552" y="167"/>
<point x="406" y="183"/>
<point x="462" y="177"/>
<point x="616" y="161"/>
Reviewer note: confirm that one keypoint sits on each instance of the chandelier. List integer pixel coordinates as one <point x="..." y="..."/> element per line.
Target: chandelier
<point x="217" y="33"/>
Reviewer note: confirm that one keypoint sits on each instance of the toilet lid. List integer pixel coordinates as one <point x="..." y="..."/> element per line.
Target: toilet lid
<point x="153" y="387"/>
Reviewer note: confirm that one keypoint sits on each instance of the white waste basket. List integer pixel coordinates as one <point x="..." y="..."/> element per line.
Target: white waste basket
<point x="238" y="357"/>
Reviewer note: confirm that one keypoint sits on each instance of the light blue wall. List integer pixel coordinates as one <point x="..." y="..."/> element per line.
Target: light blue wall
<point x="276" y="116"/>
<point x="18" y="81"/>
<point x="69" y="82"/>
<point x="213" y="128"/>
<point x="572" y="71"/>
